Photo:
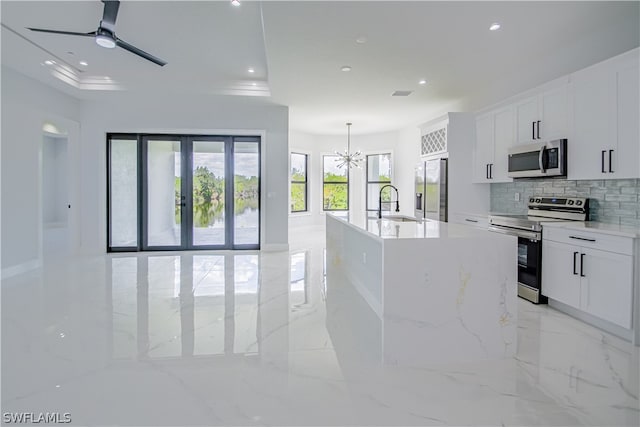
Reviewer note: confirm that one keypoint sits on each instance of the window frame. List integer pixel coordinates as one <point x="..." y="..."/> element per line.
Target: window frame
<point x="305" y="182"/>
<point x="367" y="182"/>
<point x="347" y="183"/>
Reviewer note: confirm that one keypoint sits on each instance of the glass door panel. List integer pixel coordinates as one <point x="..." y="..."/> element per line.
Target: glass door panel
<point x="123" y="192"/>
<point x="165" y="200"/>
<point x="208" y="192"/>
<point x="246" y="194"/>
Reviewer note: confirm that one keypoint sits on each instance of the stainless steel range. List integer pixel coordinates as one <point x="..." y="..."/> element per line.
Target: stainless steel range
<point x="528" y="229"/>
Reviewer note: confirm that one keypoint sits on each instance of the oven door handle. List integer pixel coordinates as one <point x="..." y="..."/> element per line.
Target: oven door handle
<point x="531" y="235"/>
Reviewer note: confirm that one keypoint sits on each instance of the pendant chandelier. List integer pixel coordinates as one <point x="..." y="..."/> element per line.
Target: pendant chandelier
<point x="347" y="158"/>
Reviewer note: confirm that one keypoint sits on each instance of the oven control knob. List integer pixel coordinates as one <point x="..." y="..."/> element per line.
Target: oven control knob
<point x="570" y="202"/>
<point x="531" y="200"/>
<point x="579" y="202"/>
<point x="538" y="200"/>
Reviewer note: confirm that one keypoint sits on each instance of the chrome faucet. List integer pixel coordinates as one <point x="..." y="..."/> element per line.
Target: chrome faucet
<point x="380" y="199"/>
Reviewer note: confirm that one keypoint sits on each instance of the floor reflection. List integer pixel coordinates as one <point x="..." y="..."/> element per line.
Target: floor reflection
<point x="185" y="305"/>
<point x="256" y="338"/>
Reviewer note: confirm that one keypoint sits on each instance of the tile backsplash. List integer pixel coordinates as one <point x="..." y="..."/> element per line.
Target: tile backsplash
<point x="615" y="201"/>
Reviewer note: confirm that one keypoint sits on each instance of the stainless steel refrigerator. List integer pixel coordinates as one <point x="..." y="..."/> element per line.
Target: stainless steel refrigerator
<point x="431" y="190"/>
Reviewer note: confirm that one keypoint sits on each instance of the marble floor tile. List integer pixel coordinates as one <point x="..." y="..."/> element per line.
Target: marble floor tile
<point x="247" y="338"/>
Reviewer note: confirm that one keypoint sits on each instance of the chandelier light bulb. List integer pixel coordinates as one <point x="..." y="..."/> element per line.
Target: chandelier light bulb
<point x="347" y="158"/>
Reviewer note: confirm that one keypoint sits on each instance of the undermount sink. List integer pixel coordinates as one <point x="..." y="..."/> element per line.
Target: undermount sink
<point x="400" y="218"/>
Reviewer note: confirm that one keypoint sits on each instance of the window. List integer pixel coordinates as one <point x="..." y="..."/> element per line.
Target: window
<point x="378" y="175"/>
<point x="299" y="164"/>
<point x="335" y="185"/>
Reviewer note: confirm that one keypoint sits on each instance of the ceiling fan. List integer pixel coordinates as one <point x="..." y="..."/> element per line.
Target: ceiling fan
<point x="105" y="35"/>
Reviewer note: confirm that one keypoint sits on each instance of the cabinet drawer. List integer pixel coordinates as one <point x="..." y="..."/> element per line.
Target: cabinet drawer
<point x="473" y="220"/>
<point x="589" y="239"/>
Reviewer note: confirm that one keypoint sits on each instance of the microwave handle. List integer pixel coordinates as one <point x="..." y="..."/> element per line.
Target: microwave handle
<point x="540" y="159"/>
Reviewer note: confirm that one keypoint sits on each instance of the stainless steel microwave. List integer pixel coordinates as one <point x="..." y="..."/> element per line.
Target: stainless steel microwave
<point x="541" y="159"/>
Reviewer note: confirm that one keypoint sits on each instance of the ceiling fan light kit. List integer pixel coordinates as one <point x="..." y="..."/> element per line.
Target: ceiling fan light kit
<point x="105" y="35"/>
<point x="105" y="39"/>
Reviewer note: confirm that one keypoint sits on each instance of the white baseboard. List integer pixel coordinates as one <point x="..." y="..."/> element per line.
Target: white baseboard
<point x="20" y="268"/>
<point x="274" y="247"/>
<point x="619" y="331"/>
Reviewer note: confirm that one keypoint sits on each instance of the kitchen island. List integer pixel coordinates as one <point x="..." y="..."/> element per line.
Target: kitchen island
<point x="441" y="292"/>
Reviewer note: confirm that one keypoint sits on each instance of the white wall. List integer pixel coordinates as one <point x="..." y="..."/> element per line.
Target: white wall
<point x="197" y="114"/>
<point x="26" y="105"/>
<point x="54" y="180"/>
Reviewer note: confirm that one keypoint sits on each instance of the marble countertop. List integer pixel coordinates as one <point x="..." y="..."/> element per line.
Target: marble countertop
<point x="393" y="227"/>
<point x="597" y="227"/>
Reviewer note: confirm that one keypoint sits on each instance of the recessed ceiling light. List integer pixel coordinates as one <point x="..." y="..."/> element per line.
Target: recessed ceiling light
<point x="422" y="82"/>
<point x="49" y="62"/>
<point x="251" y="70"/>
<point x="346" y="68"/>
<point x="84" y="63"/>
<point x="495" y="26"/>
<point x="254" y="84"/>
<point x="235" y="2"/>
<point x="361" y="40"/>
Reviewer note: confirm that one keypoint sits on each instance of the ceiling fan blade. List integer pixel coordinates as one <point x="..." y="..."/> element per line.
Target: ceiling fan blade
<point x="110" y="14"/>
<point x="140" y="53"/>
<point x="68" y="33"/>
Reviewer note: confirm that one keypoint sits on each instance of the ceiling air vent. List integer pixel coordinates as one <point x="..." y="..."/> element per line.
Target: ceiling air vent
<point x="402" y="93"/>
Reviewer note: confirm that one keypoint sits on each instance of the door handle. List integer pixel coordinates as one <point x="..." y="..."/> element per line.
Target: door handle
<point x="574" y="263"/>
<point x="602" y="161"/>
<point x="610" y="156"/>
<point x="538" y="129"/>
<point x="540" y="159"/>
<point x="582" y="238"/>
<point x="582" y="266"/>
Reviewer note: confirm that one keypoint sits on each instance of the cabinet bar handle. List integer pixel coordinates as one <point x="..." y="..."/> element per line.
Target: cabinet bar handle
<point x="582" y="238"/>
<point x="487" y="171"/>
<point x="610" y="156"/>
<point x="490" y="170"/>
<point x="533" y="130"/>
<point x="471" y="220"/>
<point x="582" y="265"/>
<point x="574" y="263"/>
<point x="538" y="129"/>
<point x="602" y="161"/>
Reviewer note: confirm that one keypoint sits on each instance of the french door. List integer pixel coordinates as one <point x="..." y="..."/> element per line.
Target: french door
<point x="191" y="192"/>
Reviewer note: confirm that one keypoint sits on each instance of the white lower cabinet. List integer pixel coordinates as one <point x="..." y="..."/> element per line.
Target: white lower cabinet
<point x="606" y="285"/>
<point x="472" y="220"/>
<point x="598" y="282"/>
<point x="559" y="279"/>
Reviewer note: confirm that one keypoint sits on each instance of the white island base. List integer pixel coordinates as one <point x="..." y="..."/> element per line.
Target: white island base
<point x="441" y="293"/>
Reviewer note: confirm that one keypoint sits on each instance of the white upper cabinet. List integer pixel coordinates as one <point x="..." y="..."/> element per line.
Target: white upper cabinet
<point x="543" y="117"/>
<point x="527" y="118"/>
<point x="503" y="138"/>
<point x="627" y="161"/>
<point x="483" y="150"/>
<point x="604" y="139"/>
<point x="554" y="110"/>
<point x="494" y="134"/>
